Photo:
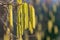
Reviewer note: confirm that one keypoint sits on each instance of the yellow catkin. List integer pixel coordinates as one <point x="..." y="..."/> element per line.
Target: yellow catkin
<point x="22" y="23"/>
<point x="10" y="16"/>
<point x="55" y="29"/>
<point x="53" y="19"/>
<point x="30" y="28"/>
<point x="19" y="23"/>
<point x="43" y="34"/>
<point x="20" y="38"/>
<point x="38" y="35"/>
<point x="50" y="24"/>
<point x="19" y="1"/>
<point x="39" y="27"/>
<point x="32" y="16"/>
<point x="41" y="17"/>
<point x="25" y="10"/>
<point x="54" y="8"/>
<point x="52" y="16"/>
<point x="22" y="19"/>
<point x="44" y="7"/>
<point x="48" y="38"/>
<point x="18" y="20"/>
<point x="7" y="35"/>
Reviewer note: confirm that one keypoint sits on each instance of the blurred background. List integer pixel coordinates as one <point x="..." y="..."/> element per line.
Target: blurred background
<point x="47" y="17"/>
